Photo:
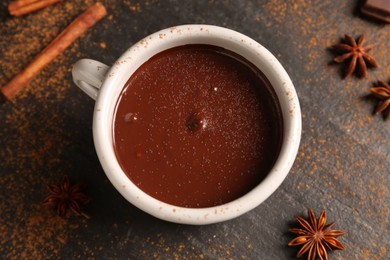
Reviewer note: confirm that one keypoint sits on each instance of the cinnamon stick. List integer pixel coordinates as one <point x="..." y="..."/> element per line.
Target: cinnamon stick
<point x="20" y="3"/>
<point x="56" y="47"/>
<point x="21" y="7"/>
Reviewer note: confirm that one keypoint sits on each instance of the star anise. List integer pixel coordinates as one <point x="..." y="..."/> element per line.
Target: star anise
<point x="316" y="237"/>
<point x="66" y="198"/>
<point x="355" y="55"/>
<point x="382" y="92"/>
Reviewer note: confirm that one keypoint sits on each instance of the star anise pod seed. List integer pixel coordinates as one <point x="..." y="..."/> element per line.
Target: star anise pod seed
<point x="64" y="198"/>
<point x="316" y="237"/>
<point x="355" y="55"/>
<point x="382" y="92"/>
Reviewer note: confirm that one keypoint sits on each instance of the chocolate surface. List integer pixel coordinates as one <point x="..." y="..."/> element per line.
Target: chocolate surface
<point x="197" y="126"/>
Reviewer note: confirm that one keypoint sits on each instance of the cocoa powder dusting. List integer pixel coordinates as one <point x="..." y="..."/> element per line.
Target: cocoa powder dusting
<point x="28" y="230"/>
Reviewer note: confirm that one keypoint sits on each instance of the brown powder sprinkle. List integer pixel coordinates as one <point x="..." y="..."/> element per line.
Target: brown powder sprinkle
<point x="103" y="45"/>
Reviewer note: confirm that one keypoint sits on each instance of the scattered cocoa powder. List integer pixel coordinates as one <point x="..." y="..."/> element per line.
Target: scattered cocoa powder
<point x="28" y="230"/>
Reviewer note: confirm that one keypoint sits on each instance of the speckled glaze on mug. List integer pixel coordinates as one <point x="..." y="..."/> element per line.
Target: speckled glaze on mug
<point x="104" y="84"/>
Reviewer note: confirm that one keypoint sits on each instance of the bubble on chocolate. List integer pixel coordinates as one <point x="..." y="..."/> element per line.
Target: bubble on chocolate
<point x="195" y="122"/>
<point x="131" y="117"/>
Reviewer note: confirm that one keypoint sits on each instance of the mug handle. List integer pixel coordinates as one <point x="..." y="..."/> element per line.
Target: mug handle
<point x="88" y="75"/>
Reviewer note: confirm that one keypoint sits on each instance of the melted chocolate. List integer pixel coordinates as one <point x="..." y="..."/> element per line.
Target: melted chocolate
<point x="197" y="126"/>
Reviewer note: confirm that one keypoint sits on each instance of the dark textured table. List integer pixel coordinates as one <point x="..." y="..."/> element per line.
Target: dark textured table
<point x="342" y="165"/>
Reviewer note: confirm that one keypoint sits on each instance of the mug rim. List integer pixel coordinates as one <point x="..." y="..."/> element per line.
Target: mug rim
<point x="164" y="39"/>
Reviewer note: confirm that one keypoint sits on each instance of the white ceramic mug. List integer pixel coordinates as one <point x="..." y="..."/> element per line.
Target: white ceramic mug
<point x="104" y="84"/>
